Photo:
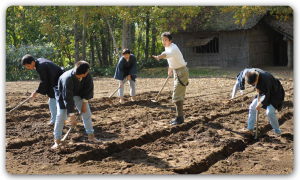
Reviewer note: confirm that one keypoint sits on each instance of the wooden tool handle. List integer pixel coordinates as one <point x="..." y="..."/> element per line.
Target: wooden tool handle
<point x="162" y="88"/>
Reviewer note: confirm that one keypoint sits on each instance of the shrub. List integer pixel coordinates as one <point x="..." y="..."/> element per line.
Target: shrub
<point x="14" y="69"/>
<point x="151" y="63"/>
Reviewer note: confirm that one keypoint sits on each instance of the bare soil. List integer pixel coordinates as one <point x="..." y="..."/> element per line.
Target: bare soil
<point x="136" y="137"/>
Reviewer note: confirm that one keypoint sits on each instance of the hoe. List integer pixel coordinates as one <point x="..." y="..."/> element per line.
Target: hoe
<point x="156" y="98"/>
<point x="68" y="132"/>
<point x="19" y="105"/>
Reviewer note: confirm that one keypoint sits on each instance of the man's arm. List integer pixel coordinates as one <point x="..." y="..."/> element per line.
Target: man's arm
<point x="170" y="72"/>
<point x="266" y="87"/>
<point x="88" y="92"/>
<point x="133" y="69"/>
<point x="44" y="80"/>
<point x="234" y="89"/>
<point x="67" y="94"/>
<point x="162" y="56"/>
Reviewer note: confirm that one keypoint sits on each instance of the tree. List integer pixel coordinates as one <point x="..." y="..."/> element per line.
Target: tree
<point x="243" y="13"/>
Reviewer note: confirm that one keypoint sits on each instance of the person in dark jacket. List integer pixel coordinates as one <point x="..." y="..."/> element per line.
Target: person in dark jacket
<point x="75" y="87"/>
<point x="49" y="74"/>
<point x="126" y="71"/>
<point x="271" y="95"/>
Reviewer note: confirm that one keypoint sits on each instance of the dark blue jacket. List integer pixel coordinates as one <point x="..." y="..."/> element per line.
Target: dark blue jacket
<point x="272" y="89"/>
<point x="125" y="68"/>
<point x="49" y="74"/>
<point x="69" y="86"/>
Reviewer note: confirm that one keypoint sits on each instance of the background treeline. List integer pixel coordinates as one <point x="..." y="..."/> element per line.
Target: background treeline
<point x="97" y="34"/>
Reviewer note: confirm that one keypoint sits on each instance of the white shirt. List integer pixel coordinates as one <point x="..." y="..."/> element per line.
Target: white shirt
<point x="174" y="56"/>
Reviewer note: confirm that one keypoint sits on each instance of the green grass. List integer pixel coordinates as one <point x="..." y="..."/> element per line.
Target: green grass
<point x="194" y="72"/>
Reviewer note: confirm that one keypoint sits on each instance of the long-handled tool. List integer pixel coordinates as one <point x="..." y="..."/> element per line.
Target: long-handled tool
<point x="68" y="132"/>
<point x="241" y="95"/>
<point x="66" y="135"/>
<point x="114" y="92"/>
<point x="156" y="98"/>
<point x="257" y="116"/>
<point x="19" y="105"/>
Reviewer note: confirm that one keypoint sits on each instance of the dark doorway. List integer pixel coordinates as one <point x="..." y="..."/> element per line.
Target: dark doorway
<point x="279" y="50"/>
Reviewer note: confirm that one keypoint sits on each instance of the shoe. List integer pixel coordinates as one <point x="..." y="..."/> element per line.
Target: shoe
<point x="177" y="120"/>
<point x="122" y="101"/>
<point x="92" y="138"/>
<point x="132" y="99"/>
<point x="51" y="123"/>
<point x="247" y="131"/>
<point x="57" y="144"/>
<point x="277" y="132"/>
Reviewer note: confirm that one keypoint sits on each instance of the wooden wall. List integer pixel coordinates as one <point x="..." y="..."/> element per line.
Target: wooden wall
<point x="235" y="49"/>
<point x="260" y="46"/>
<point x="240" y="48"/>
<point x="196" y="59"/>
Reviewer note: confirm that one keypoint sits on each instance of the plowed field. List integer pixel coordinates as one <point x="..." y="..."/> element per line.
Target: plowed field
<point x="136" y="137"/>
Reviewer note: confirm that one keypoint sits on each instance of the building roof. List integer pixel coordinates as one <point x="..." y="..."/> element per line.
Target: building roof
<point x="283" y="27"/>
<point x="226" y="22"/>
<point x="222" y="22"/>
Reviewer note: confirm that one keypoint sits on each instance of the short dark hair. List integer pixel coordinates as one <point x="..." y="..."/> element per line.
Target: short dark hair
<point x="251" y="77"/>
<point x="126" y="51"/>
<point x="27" y="59"/>
<point x="81" y="67"/>
<point x="167" y="35"/>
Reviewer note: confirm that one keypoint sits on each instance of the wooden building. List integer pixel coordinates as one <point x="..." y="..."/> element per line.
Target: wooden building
<point x="262" y="41"/>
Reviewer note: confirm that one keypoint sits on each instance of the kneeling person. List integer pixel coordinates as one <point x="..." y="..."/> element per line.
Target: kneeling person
<point x="75" y="87"/>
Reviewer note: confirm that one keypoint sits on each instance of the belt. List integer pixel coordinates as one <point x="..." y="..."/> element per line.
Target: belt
<point x="180" y="68"/>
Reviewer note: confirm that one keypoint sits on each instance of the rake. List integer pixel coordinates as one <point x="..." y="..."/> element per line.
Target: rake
<point x="68" y="132"/>
<point x="19" y="105"/>
<point x="241" y="95"/>
<point x="114" y="92"/>
<point x="156" y="98"/>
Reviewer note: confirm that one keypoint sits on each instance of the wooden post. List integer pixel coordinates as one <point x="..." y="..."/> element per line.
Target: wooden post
<point x="290" y="53"/>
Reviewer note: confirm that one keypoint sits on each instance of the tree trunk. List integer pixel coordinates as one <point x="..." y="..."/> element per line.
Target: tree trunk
<point x="153" y="40"/>
<point x="104" y="52"/>
<point x="84" y="34"/>
<point x="147" y="36"/>
<point x="111" y="47"/>
<point x="76" y="37"/>
<point x="127" y="35"/>
<point x="290" y="54"/>
<point x="117" y="52"/>
<point x="104" y="47"/>
<point x="92" y="50"/>
<point x="98" y="51"/>
<point x="139" y="43"/>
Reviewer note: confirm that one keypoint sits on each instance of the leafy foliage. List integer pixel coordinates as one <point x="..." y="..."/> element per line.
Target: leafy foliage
<point x="243" y="13"/>
<point x="66" y="34"/>
<point x="14" y="69"/>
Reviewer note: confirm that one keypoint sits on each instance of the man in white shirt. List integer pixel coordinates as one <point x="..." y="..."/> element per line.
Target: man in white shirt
<point x="177" y="65"/>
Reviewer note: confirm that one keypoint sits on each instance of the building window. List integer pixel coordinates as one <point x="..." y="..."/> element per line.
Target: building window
<point x="208" y="45"/>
